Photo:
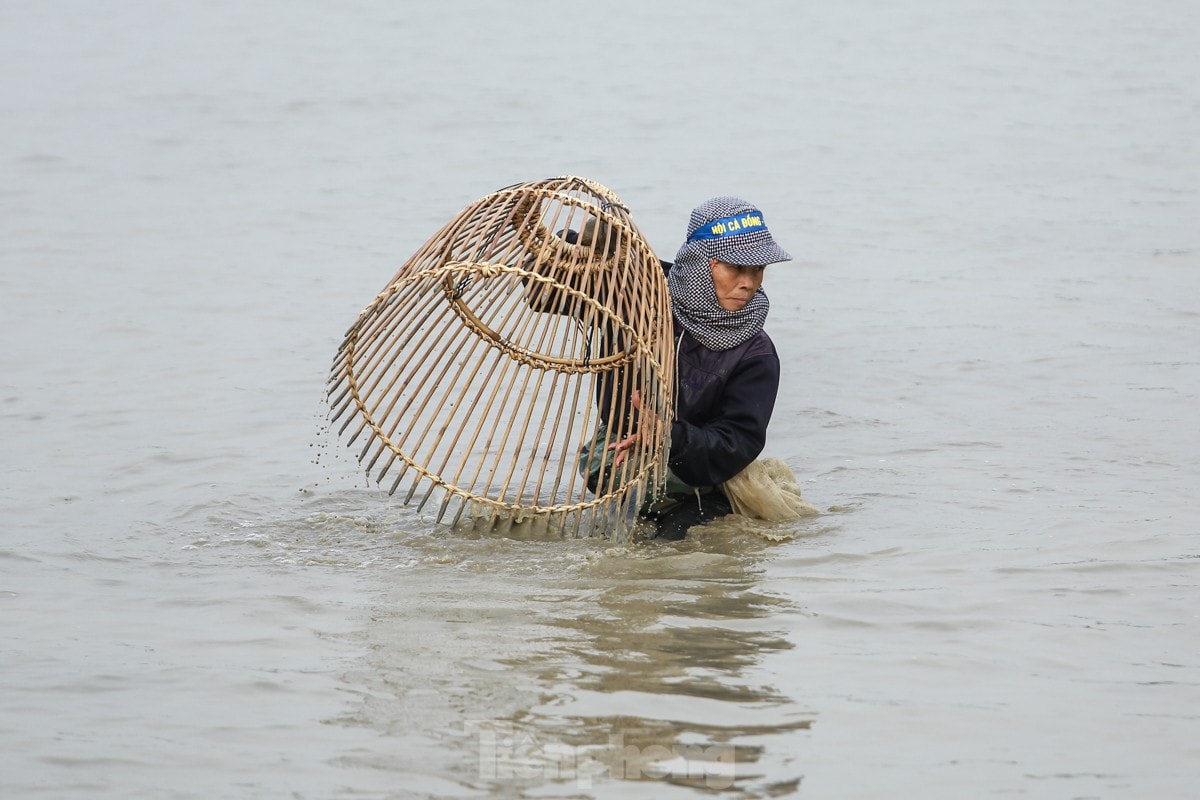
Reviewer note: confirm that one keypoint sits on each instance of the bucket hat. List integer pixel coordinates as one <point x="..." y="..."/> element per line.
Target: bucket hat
<point x="732" y="230"/>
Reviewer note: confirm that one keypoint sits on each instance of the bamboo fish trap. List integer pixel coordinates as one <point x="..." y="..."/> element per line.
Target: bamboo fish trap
<point x="494" y="371"/>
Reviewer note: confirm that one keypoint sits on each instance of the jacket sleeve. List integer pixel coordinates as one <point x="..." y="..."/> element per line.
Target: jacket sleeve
<point x="712" y="453"/>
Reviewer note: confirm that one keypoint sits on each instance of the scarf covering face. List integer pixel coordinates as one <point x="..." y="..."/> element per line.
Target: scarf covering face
<point x="728" y="229"/>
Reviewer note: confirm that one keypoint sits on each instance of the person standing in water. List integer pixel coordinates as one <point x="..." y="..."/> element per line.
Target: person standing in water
<point x="728" y="369"/>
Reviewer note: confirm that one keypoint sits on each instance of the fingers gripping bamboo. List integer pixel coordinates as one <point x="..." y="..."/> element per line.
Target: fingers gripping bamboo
<point x="498" y="365"/>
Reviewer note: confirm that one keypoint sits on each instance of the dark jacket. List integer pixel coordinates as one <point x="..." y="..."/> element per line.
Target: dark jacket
<point x="725" y="400"/>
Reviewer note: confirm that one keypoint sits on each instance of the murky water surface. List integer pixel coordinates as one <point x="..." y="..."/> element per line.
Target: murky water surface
<point x="989" y="339"/>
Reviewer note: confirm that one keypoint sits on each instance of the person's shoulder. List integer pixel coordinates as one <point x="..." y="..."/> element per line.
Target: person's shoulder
<point x="760" y="344"/>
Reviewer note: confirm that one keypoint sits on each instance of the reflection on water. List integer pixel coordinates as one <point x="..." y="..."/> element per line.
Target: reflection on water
<point x="659" y="680"/>
<point x="499" y="663"/>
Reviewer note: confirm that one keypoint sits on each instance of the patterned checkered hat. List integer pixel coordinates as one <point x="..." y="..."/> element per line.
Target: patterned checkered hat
<point x="732" y="230"/>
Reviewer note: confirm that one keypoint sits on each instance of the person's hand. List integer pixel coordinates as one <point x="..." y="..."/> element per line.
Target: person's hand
<point x="623" y="447"/>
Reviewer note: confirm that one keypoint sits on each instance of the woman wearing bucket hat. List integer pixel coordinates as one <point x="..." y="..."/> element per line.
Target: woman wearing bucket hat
<point x="728" y="369"/>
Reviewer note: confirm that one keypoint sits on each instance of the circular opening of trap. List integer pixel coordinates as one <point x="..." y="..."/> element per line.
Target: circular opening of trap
<point x="497" y="302"/>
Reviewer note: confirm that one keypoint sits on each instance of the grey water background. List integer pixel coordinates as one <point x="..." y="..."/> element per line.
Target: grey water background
<point x="990" y="345"/>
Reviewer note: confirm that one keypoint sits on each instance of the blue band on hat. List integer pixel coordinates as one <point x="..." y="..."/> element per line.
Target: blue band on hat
<point x="745" y="222"/>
